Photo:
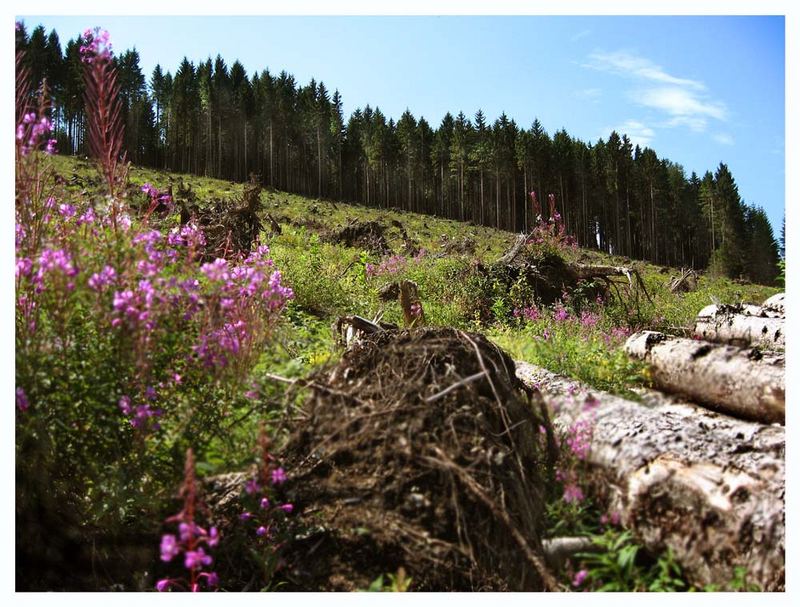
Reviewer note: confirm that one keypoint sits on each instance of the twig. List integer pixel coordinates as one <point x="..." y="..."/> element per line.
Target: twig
<point x="537" y="563"/>
<point x="450" y="388"/>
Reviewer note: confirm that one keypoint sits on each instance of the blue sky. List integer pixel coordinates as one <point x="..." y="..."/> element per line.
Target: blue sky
<point x="698" y="90"/>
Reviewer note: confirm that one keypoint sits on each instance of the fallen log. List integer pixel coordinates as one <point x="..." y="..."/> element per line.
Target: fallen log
<point x="707" y="486"/>
<point x="743" y="383"/>
<point x="734" y="325"/>
<point x="776" y="303"/>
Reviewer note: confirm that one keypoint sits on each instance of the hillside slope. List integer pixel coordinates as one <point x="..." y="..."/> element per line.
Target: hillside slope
<point x="331" y="279"/>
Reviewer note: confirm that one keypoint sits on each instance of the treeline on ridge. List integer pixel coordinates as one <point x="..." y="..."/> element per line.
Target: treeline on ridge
<point x="215" y="120"/>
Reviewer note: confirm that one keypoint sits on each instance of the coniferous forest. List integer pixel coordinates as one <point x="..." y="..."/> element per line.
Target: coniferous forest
<point x="213" y="119"/>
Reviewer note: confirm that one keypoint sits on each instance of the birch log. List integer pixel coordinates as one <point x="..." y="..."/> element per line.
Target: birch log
<point x="776" y="303"/>
<point x="734" y="325"/>
<point x="744" y="383"/>
<point x="707" y="486"/>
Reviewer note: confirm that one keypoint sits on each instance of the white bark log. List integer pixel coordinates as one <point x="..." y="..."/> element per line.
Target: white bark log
<point x="776" y="303"/>
<point x="728" y="324"/>
<point x="738" y="382"/>
<point x="707" y="486"/>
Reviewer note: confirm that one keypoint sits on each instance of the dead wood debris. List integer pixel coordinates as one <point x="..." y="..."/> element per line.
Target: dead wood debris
<point x="685" y="282"/>
<point x="421" y="450"/>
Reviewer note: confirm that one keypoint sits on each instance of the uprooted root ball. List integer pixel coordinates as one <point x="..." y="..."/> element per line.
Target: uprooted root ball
<point x="422" y="450"/>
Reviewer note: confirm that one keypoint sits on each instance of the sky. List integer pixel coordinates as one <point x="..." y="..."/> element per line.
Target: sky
<point x="698" y="90"/>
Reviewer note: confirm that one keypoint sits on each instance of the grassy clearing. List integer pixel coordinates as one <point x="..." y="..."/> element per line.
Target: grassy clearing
<point x="331" y="280"/>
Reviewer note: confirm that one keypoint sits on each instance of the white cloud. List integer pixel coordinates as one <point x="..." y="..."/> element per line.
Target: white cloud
<point x="680" y="103"/>
<point x="695" y="123"/>
<point x="723" y="138"/>
<point x="638" y="132"/>
<point x="626" y="64"/>
<point x="685" y="102"/>
<point x="592" y="94"/>
<point x="579" y="35"/>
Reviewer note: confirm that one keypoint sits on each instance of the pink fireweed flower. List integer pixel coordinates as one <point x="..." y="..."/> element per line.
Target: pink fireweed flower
<point x="261" y="531"/>
<point x="278" y="476"/>
<point x="24" y="267"/>
<point x="531" y="313"/>
<point x="97" y="46"/>
<point x="19" y="234"/>
<point x="416" y="309"/>
<point x="66" y="210"/>
<point x="264" y="503"/>
<point x="55" y="260"/>
<point x="245" y="516"/>
<point x="216" y="271"/>
<point x="287" y="508"/>
<point x="572" y="494"/>
<point x="190" y="539"/>
<point x="169" y="547"/>
<point x="22" y="399"/>
<point x="51" y="147"/>
<point x="100" y="280"/>
<point x="87" y="217"/>
<point x="560" y="313"/>
<point x="251" y="486"/>
<point x="579" y="437"/>
<point x="588" y="319"/>
<point x="125" y="405"/>
<point x="194" y="559"/>
<point x="580" y="578"/>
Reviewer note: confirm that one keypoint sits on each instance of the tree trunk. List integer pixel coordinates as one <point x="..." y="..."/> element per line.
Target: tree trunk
<point x="740" y="325"/>
<point x="707" y="486"/>
<point x="776" y="304"/>
<point x="730" y="380"/>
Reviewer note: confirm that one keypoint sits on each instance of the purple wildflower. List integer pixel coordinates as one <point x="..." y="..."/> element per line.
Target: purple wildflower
<point x="251" y="486"/>
<point x="22" y="399"/>
<point x="278" y="476"/>
<point x="572" y="493"/>
<point x="579" y="578"/>
<point x="125" y="405"/>
<point x="163" y="585"/>
<point x="579" y="438"/>
<point x="169" y="547"/>
<point x="195" y="559"/>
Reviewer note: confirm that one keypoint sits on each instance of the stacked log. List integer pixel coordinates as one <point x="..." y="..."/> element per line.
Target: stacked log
<point x="776" y="303"/>
<point x="743" y="383"/>
<point x="707" y="486"/>
<point x="743" y="324"/>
